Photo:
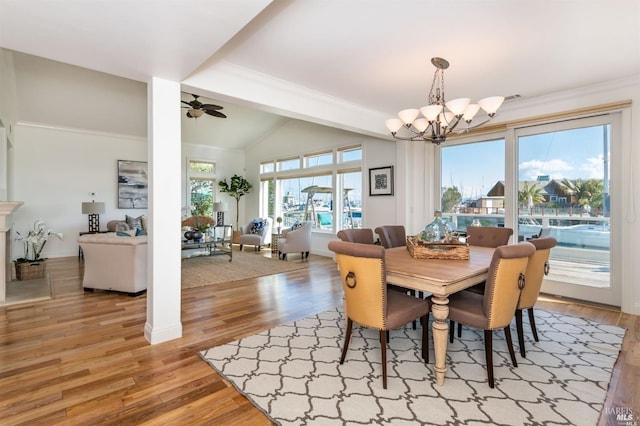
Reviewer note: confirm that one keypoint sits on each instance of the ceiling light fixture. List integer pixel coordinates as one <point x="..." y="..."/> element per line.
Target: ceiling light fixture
<point x="195" y="113"/>
<point x="437" y="122"/>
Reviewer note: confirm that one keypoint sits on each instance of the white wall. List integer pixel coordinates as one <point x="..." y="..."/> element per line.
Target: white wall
<point x="57" y="168"/>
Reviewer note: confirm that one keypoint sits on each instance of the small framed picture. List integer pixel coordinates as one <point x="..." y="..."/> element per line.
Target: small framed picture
<point x="381" y="181"/>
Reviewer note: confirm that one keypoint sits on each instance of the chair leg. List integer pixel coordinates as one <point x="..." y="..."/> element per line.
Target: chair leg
<point x="383" y="348"/>
<point x="459" y="330"/>
<point x="347" y="338"/>
<point x="306" y="255"/>
<point x="523" y="353"/>
<point x="488" y="355"/>
<point x="240" y="247"/>
<point x="452" y="327"/>
<point x="532" y="321"/>
<point x="507" y="334"/>
<point x="425" y="338"/>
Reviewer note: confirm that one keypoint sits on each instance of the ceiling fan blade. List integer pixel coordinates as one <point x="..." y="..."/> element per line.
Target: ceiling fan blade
<point x="210" y="106"/>
<point x="215" y="113"/>
<point x="187" y="103"/>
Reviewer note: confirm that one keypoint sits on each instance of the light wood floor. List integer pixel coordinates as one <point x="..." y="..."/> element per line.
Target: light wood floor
<point x="81" y="358"/>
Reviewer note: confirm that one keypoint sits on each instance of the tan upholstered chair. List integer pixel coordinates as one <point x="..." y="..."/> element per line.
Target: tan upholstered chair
<point x="362" y="236"/>
<point x="496" y="308"/>
<point x="367" y="301"/>
<point x="537" y="268"/>
<point x="392" y="236"/>
<point x="488" y="236"/>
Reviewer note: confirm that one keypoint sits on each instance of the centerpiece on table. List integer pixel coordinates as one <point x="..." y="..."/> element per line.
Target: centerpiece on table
<point x="438" y="240"/>
<point x="31" y="266"/>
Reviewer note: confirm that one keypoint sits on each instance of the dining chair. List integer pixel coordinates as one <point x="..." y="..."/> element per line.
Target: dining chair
<point x="537" y="268"/>
<point x="360" y="235"/>
<point x="488" y="236"/>
<point x="392" y="236"/>
<point x="395" y="236"/>
<point x="485" y="236"/>
<point x="497" y="306"/>
<point x="367" y="301"/>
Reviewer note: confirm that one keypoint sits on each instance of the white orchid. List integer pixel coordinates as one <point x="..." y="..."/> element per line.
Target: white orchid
<point x="35" y="240"/>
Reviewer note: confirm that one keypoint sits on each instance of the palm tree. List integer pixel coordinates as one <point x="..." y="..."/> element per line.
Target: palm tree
<point x="530" y="192"/>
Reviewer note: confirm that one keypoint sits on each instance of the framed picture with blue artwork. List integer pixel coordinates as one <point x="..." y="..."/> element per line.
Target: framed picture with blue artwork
<point x="381" y="181"/>
<point x="132" y="184"/>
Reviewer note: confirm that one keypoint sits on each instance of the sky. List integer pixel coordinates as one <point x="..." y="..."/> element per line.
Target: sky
<point x="475" y="168"/>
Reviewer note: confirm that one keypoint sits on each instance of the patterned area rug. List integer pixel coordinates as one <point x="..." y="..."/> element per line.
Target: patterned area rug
<point x="208" y="270"/>
<point x="292" y="374"/>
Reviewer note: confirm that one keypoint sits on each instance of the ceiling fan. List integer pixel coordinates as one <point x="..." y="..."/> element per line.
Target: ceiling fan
<point x="197" y="109"/>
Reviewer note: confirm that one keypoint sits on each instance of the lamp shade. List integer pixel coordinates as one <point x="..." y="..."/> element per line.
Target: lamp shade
<point x="219" y="206"/>
<point x="92" y="208"/>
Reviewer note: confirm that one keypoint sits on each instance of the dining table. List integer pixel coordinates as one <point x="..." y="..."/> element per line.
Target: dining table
<point x="441" y="278"/>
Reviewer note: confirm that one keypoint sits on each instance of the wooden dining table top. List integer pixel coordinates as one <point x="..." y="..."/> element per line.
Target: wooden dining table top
<point x="437" y="276"/>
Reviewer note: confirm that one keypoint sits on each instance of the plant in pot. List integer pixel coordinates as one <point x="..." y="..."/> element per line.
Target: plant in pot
<point x="31" y="265"/>
<point x="237" y="187"/>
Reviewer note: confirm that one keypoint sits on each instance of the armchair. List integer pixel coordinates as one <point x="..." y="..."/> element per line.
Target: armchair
<point x="256" y="233"/>
<point x="295" y="241"/>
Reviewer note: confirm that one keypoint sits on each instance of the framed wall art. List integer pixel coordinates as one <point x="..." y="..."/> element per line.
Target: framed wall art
<point x="381" y="181"/>
<point x="133" y="184"/>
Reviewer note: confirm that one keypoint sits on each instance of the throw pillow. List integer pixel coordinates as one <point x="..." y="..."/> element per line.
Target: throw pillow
<point x="296" y="225"/>
<point x="121" y="227"/>
<point x="134" y="222"/>
<point x="131" y="233"/>
<point x="140" y="232"/>
<point x="257" y="226"/>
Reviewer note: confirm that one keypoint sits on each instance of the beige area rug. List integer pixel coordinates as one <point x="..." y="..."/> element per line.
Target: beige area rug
<point x="292" y="373"/>
<point x="27" y="291"/>
<point x="208" y="270"/>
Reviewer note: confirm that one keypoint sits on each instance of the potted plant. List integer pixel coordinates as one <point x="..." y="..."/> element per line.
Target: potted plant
<point x="31" y="265"/>
<point x="237" y="188"/>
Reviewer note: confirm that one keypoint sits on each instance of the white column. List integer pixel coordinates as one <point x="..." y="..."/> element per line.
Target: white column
<point x="6" y="210"/>
<point x="163" y="289"/>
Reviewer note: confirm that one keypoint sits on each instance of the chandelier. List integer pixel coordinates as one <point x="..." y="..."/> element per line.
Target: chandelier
<point x="441" y="117"/>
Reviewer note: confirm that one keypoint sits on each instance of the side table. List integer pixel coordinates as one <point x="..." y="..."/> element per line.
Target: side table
<point x="274" y="242"/>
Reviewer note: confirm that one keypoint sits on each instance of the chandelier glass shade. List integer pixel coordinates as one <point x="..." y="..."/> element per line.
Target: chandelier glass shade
<point x="435" y="121"/>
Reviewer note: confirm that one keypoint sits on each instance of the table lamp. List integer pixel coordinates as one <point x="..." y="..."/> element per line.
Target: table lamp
<point x="94" y="210"/>
<point x="219" y="208"/>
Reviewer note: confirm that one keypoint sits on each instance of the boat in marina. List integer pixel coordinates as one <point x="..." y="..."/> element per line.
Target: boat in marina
<point x="589" y="236"/>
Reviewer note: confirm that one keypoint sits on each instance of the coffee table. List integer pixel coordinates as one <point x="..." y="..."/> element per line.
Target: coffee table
<point x="218" y="245"/>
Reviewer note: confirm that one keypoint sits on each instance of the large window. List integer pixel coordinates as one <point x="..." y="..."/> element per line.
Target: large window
<point x="324" y="187"/>
<point x="201" y="181"/>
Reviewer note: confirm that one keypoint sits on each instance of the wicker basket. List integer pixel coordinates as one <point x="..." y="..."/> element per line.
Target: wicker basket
<point x="30" y="270"/>
<point x="422" y="250"/>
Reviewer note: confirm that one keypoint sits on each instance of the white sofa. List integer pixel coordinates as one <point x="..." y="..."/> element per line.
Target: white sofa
<point x="112" y="262"/>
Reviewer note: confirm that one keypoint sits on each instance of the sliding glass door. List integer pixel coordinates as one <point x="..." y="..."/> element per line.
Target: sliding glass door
<point x="564" y="190"/>
<point x="553" y="179"/>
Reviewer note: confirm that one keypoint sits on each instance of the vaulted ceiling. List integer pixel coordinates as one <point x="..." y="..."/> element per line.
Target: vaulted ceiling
<point x="347" y="64"/>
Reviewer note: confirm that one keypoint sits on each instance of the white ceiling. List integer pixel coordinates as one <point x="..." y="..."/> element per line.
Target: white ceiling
<point x="348" y="64"/>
